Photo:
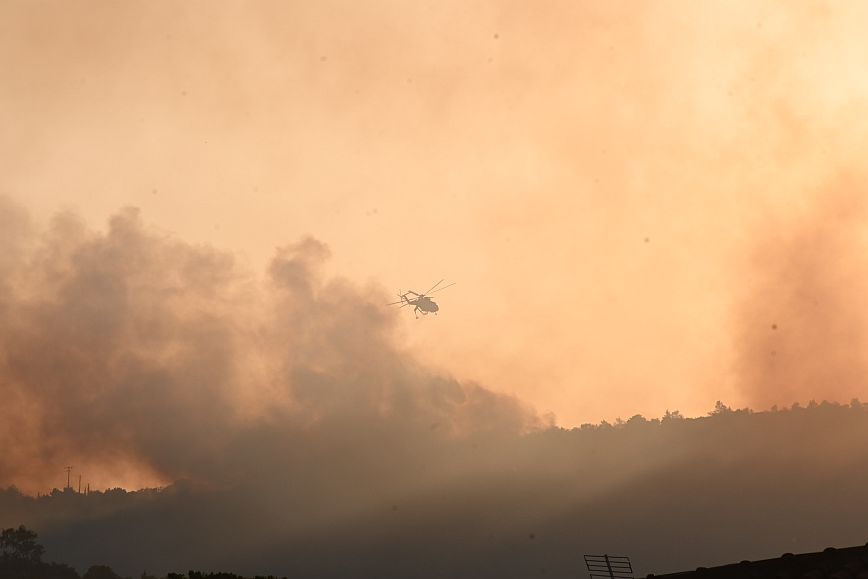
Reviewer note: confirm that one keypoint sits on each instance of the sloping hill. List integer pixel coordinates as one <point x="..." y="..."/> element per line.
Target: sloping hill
<point x="831" y="563"/>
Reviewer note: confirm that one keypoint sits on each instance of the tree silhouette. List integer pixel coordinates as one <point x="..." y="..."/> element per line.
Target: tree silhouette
<point x="20" y="544"/>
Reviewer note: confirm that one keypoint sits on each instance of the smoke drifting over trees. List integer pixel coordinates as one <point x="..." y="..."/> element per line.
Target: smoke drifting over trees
<point x="296" y="437"/>
<point x="673" y="494"/>
<point x="802" y="324"/>
<point x="131" y="354"/>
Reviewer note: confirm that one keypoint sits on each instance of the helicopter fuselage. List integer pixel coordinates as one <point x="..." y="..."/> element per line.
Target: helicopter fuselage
<point x="425" y="304"/>
<point x="422" y="304"/>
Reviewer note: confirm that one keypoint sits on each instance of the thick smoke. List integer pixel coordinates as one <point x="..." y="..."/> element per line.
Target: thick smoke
<point x="803" y="335"/>
<point x="296" y="437"/>
<point x="140" y="358"/>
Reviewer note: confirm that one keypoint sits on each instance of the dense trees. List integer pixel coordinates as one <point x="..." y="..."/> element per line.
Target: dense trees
<point x="21" y="557"/>
<point x="20" y="544"/>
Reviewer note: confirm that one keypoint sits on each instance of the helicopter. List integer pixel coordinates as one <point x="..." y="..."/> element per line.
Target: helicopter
<point x="421" y="302"/>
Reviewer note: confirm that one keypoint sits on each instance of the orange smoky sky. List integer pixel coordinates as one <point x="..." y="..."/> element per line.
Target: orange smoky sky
<point x="629" y="195"/>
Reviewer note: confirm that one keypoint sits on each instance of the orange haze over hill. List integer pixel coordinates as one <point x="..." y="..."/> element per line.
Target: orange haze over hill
<point x="646" y="206"/>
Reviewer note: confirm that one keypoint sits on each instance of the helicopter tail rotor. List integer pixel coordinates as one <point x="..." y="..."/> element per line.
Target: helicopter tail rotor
<point x="402" y="299"/>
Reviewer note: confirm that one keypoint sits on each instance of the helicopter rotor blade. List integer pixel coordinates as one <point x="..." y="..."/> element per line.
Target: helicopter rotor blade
<point x="406" y="301"/>
<point x="432" y="287"/>
<point x="444" y="287"/>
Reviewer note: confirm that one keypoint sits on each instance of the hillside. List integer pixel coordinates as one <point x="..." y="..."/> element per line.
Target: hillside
<point x="673" y="494"/>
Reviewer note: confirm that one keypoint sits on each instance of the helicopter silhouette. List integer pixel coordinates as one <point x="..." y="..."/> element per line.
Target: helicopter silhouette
<point x="421" y="302"/>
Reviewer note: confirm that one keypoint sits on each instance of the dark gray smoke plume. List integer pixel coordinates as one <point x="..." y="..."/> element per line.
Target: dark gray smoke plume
<point x="137" y="349"/>
<point x="295" y="437"/>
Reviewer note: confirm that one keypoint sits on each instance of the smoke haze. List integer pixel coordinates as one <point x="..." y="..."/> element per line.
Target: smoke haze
<point x="140" y="358"/>
<point x="596" y="176"/>
<point x="645" y="206"/>
<point x="673" y="494"/>
<point x="297" y="436"/>
<point x="803" y="324"/>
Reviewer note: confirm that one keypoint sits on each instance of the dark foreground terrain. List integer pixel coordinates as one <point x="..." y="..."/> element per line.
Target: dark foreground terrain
<point x="21" y="558"/>
<point x="831" y="563"/>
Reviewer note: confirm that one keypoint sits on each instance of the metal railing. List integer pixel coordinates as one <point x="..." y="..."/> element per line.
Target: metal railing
<point x="609" y="567"/>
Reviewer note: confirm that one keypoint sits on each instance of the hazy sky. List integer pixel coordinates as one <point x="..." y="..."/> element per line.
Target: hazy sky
<point x="646" y="205"/>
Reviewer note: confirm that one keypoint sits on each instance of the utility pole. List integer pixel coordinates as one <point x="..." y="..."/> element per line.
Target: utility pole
<point x="79" y="484"/>
<point x="68" y="470"/>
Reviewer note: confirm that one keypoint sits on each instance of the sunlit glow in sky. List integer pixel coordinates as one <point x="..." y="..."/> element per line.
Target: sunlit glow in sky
<point x="645" y="206"/>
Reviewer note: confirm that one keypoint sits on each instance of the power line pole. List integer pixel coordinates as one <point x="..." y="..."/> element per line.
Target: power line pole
<point x="68" y="470"/>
